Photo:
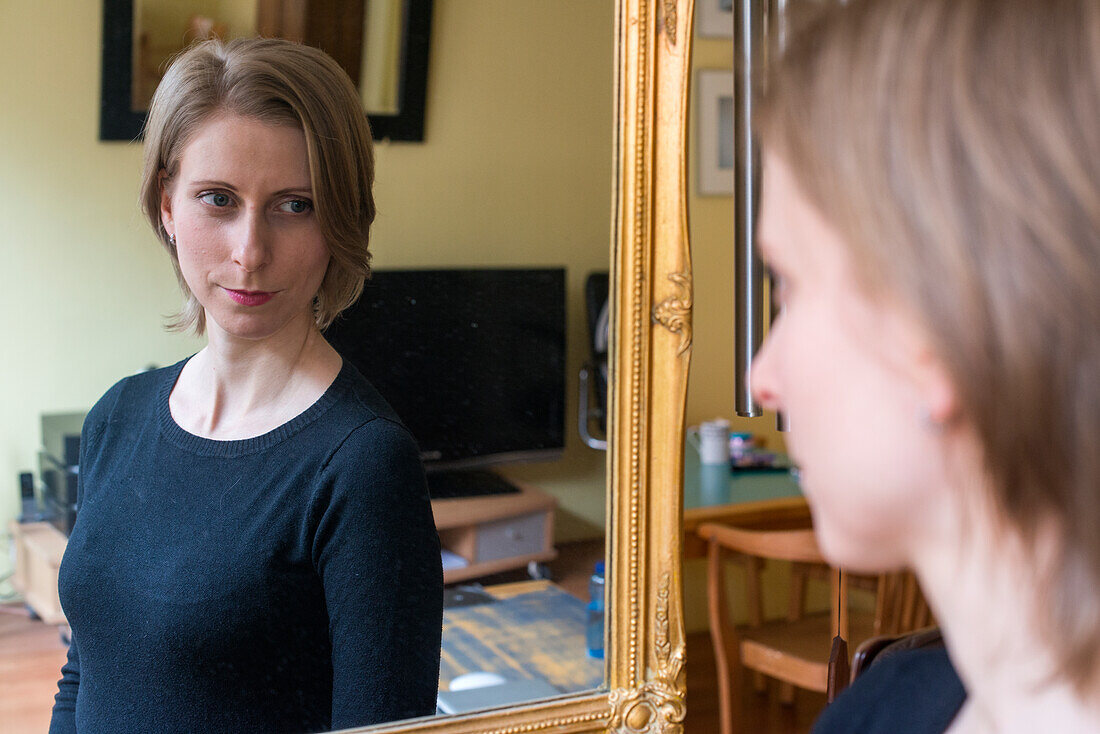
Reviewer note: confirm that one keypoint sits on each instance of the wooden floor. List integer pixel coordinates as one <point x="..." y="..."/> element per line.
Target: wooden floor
<point x="31" y="655"/>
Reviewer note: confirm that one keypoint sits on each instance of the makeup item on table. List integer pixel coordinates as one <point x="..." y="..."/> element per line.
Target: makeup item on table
<point x="746" y="455"/>
<point x="480" y="690"/>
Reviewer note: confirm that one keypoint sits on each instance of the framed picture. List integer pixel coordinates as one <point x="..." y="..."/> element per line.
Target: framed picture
<point x="714" y="18"/>
<point x="714" y="111"/>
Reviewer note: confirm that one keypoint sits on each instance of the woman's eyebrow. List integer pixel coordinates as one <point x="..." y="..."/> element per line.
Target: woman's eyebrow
<point x="307" y="189"/>
<point x="211" y="182"/>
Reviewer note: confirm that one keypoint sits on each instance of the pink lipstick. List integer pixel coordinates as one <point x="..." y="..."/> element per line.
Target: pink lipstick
<point x="250" y="298"/>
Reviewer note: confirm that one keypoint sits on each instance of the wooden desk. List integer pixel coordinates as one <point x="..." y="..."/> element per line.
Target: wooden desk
<point x="498" y="532"/>
<point x="745" y="498"/>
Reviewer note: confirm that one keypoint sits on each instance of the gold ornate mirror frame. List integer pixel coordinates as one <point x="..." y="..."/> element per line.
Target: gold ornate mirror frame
<point x="651" y="349"/>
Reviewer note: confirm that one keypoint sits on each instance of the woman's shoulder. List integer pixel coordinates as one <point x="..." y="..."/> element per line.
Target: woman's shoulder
<point x="126" y="394"/>
<point x="375" y="467"/>
<point x="360" y="395"/>
<point x="378" y="440"/>
<point x="911" y="692"/>
<point x="357" y="423"/>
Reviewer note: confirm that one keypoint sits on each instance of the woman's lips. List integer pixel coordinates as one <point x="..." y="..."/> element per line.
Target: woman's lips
<point x="250" y="298"/>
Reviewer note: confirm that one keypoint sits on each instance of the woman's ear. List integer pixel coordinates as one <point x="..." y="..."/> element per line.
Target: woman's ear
<point x="166" y="220"/>
<point x="939" y="397"/>
<point x="914" y="352"/>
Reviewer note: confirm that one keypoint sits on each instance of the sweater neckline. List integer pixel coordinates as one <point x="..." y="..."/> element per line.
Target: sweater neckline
<point x="240" y="447"/>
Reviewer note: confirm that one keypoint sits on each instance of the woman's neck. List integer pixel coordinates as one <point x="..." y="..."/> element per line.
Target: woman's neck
<point x="238" y="388"/>
<point x="983" y="587"/>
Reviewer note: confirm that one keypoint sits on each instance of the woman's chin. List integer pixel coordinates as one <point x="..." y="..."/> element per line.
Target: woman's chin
<point x="854" y="551"/>
<point x="248" y="327"/>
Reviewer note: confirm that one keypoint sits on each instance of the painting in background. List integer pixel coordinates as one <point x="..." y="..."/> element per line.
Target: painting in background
<point x="714" y="108"/>
<point x="714" y="18"/>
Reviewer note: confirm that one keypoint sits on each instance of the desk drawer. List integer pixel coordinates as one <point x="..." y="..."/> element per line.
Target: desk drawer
<point x="513" y="536"/>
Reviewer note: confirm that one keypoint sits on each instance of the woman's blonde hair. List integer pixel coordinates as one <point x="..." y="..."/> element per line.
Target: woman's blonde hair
<point x="281" y="83"/>
<point x="955" y="144"/>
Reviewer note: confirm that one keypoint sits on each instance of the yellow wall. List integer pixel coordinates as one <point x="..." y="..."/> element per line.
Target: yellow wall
<point x="710" y="385"/>
<point x="515" y="170"/>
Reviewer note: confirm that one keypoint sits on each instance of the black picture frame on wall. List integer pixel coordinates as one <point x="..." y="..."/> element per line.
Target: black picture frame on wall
<point x="118" y="121"/>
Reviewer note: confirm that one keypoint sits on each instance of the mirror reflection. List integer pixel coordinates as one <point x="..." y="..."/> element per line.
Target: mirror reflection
<point x="514" y="179"/>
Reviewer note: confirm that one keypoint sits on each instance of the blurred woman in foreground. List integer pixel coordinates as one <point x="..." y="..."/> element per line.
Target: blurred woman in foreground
<point x="931" y="212"/>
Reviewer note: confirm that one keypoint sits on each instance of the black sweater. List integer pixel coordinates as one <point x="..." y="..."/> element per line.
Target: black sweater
<point x="288" y="582"/>
<point x="910" y="692"/>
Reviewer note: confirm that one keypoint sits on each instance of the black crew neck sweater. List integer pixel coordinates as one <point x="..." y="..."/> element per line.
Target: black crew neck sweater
<point x="287" y="582"/>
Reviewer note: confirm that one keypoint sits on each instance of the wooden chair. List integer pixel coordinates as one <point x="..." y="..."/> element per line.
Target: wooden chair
<point x="794" y="650"/>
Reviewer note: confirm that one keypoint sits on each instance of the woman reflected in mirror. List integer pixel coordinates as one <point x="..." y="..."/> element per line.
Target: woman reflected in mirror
<point x="931" y="210"/>
<point x="254" y="548"/>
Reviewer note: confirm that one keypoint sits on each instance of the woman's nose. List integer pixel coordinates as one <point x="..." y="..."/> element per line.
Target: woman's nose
<point x="763" y="377"/>
<point x="250" y="247"/>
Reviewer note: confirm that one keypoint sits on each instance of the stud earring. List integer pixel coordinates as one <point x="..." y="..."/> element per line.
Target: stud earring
<point x="172" y="240"/>
<point x="929" y="421"/>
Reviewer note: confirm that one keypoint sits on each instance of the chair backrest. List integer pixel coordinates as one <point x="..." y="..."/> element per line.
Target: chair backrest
<point x="796" y="545"/>
<point x="899" y="605"/>
<point x="782" y="545"/>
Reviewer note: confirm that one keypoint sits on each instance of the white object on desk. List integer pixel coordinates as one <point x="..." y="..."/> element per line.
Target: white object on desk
<point x="712" y="440"/>
<point x="476" y="679"/>
<point x="491" y="696"/>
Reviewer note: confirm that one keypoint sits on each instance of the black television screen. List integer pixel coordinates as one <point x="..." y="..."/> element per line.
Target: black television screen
<point x="473" y="361"/>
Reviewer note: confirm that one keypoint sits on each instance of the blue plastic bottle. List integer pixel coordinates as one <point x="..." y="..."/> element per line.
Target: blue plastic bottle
<point x="594" y="628"/>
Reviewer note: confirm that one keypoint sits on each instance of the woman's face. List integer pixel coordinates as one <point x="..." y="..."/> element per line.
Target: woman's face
<point x="248" y="240"/>
<point x="856" y="382"/>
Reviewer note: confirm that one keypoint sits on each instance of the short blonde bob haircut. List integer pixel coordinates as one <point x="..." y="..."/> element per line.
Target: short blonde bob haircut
<point x="281" y="83"/>
<point x="955" y="145"/>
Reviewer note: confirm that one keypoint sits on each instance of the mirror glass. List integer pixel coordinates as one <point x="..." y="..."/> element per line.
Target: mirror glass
<point x="372" y="56"/>
<point x="516" y="172"/>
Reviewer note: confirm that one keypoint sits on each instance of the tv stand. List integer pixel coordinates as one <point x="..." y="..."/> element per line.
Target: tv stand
<point x="39" y="547"/>
<point x="496" y="532"/>
<point x="462" y="483"/>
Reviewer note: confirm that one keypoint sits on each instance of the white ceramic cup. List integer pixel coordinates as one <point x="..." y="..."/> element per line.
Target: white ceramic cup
<point x="712" y="439"/>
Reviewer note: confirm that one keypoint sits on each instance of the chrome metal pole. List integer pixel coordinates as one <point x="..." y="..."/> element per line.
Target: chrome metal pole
<point x="749" y="44"/>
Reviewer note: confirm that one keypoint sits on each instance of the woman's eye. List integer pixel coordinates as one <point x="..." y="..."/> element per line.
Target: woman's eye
<point x="215" y="198"/>
<point x="296" y="206"/>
